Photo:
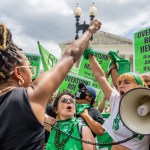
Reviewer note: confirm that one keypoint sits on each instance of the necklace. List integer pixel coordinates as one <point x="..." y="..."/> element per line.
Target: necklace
<point x="6" y="89"/>
<point x="58" y="143"/>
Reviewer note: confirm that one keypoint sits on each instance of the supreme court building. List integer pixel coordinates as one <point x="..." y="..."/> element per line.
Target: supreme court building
<point x="103" y="41"/>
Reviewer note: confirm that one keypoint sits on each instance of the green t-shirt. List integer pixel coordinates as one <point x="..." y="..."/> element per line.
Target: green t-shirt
<point x="59" y="141"/>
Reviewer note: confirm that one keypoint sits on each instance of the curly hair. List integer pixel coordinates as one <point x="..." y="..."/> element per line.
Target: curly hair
<point x="10" y="54"/>
<point x="56" y="100"/>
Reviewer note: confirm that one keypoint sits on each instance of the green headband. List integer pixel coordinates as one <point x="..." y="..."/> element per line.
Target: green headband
<point x="137" y="78"/>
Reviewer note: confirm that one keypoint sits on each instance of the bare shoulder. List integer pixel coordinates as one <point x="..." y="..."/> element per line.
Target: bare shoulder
<point x="86" y="133"/>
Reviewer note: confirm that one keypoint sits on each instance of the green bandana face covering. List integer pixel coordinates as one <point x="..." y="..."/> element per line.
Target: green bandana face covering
<point x="81" y="107"/>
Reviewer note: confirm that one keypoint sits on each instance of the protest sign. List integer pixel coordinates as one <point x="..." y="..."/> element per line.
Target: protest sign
<point x="34" y="60"/>
<point x="85" y="70"/>
<point x="142" y="51"/>
<point x="70" y="83"/>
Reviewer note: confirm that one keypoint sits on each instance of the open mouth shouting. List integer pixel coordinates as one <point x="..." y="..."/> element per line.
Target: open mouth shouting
<point x="69" y="108"/>
<point x="122" y="92"/>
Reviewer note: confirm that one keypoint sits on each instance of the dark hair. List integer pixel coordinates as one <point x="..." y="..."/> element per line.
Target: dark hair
<point x="56" y="100"/>
<point x="10" y="54"/>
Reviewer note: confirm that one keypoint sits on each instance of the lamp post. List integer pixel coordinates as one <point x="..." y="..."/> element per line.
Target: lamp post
<point x="77" y="14"/>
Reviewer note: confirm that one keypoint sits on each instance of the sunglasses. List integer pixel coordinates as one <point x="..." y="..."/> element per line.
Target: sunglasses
<point x="65" y="100"/>
<point x="85" y="91"/>
<point x="32" y="69"/>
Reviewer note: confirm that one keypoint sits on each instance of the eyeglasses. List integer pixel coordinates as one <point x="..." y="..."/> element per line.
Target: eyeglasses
<point x="32" y="69"/>
<point x="65" y="100"/>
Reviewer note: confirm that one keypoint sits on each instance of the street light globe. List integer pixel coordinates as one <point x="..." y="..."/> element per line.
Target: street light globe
<point x="77" y="11"/>
<point x="92" y="11"/>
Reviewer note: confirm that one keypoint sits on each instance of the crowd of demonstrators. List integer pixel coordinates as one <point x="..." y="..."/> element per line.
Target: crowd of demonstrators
<point x="85" y="99"/>
<point x="113" y="125"/>
<point x="23" y="103"/>
<point x="64" y="106"/>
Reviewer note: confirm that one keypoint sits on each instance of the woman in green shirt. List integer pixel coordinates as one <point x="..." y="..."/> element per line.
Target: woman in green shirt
<point x="64" y="106"/>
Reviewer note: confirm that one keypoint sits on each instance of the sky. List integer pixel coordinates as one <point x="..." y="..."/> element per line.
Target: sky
<point x="52" y="21"/>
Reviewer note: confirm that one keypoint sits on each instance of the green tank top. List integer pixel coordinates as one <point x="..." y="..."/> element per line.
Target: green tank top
<point x="59" y="141"/>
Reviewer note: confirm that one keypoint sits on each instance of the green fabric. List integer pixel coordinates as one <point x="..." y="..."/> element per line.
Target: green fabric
<point x="105" y="138"/>
<point x="48" y="60"/>
<point x="123" y="64"/>
<point x="87" y="52"/>
<point x="81" y="107"/>
<point x="137" y="78"/>
<point x="65" y="126"/>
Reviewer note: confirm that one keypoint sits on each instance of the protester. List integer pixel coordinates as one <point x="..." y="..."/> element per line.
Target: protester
<point x="113" y="125"/>
<point x="22" y="103"/>
<point x="146" y="78"/>
<point x="64" y="106"/>
<point x="85" y="99"/>
<point x="114" y="72"/>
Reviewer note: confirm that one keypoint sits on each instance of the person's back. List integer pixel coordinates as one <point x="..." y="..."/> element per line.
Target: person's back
<point x="21" y="130"/>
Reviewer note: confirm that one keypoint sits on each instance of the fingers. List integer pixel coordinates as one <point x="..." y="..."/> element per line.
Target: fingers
<point x="97" y="24"/>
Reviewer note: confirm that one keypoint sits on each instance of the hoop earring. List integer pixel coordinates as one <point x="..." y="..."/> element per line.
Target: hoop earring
<point x="21" y="82"/>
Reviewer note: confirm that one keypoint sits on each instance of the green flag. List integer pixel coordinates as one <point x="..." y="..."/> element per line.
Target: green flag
<point x="48" y="60"/>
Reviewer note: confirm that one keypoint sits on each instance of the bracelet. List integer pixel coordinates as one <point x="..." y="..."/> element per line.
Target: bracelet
<point x="114" y="68"/>
<point x="90" y="31"/>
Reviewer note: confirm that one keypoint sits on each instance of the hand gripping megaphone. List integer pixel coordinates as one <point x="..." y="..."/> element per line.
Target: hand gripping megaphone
<point x="134" y="110"/>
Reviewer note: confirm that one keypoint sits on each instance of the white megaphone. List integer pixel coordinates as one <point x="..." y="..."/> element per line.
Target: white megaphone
<point x="134" y="110"/>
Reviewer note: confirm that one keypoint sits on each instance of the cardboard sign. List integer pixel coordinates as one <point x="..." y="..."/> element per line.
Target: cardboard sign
<point x="85" y="70"/>
<point x="34" y="60"/>
<point x="70" y="83"/>
<point x="142" y="51"/>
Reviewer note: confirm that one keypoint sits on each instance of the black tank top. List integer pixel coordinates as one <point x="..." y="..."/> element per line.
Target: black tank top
<point x="19" y="128"/>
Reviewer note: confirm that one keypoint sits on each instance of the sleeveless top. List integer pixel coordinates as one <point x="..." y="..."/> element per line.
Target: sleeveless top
<point x="62" y="142"/>
<point x="19" y="127"/>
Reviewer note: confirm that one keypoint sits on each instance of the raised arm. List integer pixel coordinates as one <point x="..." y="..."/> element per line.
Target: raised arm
<point x="100" y="76"/>
<point x="113" y="71"/>
<point x="101" y="106"/>
<point x="47" y="83"/>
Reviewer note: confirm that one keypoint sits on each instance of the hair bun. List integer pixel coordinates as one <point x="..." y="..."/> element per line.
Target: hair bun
<point x="5" y="37"/>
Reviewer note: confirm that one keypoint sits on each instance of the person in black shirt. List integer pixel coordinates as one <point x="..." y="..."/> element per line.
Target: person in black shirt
<point x="85" y="98"/>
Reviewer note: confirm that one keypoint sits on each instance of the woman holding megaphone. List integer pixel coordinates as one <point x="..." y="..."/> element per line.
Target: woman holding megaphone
<point x="114" y="125"/>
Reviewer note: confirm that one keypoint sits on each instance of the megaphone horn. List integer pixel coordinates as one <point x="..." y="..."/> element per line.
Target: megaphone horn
<point x="134" y="110"/>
